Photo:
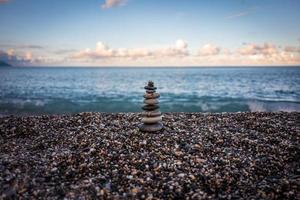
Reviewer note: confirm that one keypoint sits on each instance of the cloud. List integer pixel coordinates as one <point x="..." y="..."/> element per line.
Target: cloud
<point x="64" y="51"/>
<point x="179" y="50"/>
<point x="113" y="3"/>
<point x="208" y="50"/>
<point x="3" y="1"/>
<point x="22" y="46"/>
<point x="267" y="49"/>
<point x="268" y="54"/>
<point x="292" y="49"/>
<point x="31" y="47"/>
<point x="241" y="14"/>
<point x="10" y="52"/>
<point x="237" y="15"/>
<point x="28" y="56"/>
<point x="179" y="54"/>
<point x="176" y="54"/>
<point x="103" y="51"/>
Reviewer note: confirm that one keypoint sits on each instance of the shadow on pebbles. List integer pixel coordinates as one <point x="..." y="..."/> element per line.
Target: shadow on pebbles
<point x="196" y="156"/>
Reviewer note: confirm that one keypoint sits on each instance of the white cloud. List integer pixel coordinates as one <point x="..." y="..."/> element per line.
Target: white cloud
<point x="10" y="52"/>
<point x="292" y="49"/>
<point x="241" y="14"/>
<point x="28" y="56"/>
<point x="179" y="54"/>
<point x="113" y="3"/>
<point x="179" y="50"/>
<point x="103" y="51"/>
<point x="181" y="44"/>
<point x="267" y="49"/>
<point x="209" y="49"/>
<point x="236" y="15"/>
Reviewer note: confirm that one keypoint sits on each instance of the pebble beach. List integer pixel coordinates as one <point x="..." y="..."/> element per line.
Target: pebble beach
<point x="253" y="155"/>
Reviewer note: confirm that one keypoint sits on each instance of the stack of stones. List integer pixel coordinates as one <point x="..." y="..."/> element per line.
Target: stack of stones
<point x="151" y="117"/>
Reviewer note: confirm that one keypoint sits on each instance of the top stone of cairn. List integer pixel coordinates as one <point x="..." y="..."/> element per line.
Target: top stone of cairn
<point x="150" y="86"/>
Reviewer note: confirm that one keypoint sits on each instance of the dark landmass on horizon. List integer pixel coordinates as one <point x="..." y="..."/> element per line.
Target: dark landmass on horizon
<point x="4" y="64"/>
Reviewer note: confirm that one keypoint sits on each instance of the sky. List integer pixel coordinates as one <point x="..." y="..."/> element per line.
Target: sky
<point x="150" y="32"/>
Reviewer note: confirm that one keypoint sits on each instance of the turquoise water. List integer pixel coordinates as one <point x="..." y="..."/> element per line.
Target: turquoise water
<point x="49" y="90"/>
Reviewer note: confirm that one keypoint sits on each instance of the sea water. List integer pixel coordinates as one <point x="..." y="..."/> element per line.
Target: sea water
<point x="54" y="90"/>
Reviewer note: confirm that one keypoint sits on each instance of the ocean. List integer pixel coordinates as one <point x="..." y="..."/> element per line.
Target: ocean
<point x="56" y="90"/>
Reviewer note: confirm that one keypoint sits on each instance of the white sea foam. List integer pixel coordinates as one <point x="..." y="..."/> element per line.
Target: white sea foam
<point x="256" y="106"/>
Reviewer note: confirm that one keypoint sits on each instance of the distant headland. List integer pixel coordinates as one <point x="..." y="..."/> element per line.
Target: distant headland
<point x="4" y="64"/>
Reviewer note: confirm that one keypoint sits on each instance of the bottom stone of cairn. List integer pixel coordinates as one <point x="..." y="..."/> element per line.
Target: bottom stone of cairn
<point x="151" y="127"/>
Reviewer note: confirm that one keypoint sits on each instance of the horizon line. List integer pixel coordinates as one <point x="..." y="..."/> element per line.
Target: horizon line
<point x="144" y="66"/>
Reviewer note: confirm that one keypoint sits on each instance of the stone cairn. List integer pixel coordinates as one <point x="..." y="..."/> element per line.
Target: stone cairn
<point x="151" y="117"/>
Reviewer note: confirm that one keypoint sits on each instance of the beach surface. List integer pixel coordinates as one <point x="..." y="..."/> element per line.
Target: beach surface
<point x="197" y="156"/>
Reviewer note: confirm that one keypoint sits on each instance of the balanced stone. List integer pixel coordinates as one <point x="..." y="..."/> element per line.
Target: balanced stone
<point x="151" y="114"/>
<point x="151" y="120"/>
<point x="150" y="88"/>
<point x="151" y="127"/>
<point x="150" y="107"/>
<point x="151" y="95"/>
<point x="151" y="117"/>
<point x="151" y="101"/>
<point x="150" y="91"/>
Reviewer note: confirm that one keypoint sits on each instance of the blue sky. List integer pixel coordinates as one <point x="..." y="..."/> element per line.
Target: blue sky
<point x="150" y="32"/>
